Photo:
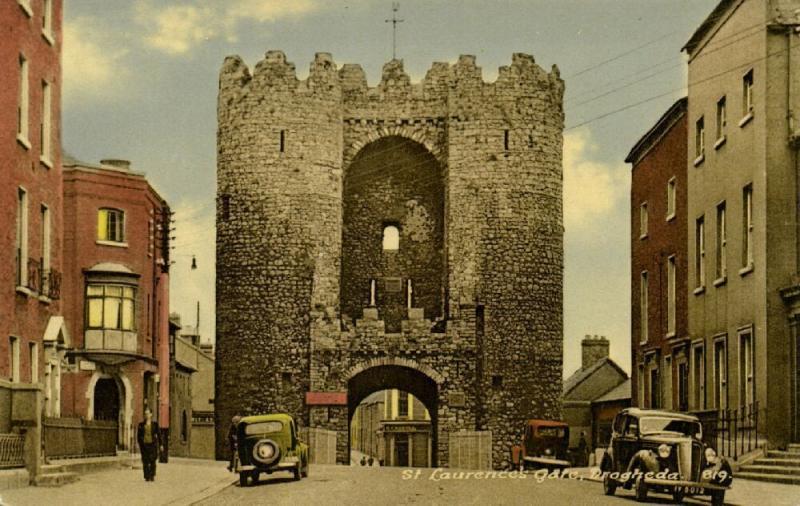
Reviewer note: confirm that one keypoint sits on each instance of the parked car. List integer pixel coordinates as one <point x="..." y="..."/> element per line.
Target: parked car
<point x="663" y="451"/>
<point x="544" y="445"/>
<point x="268" y="443"/>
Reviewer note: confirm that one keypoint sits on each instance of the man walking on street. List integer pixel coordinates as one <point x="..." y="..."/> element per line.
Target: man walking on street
<point x="147" y="437"/>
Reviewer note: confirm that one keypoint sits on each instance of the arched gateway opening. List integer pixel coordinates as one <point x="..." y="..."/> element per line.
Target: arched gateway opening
<point x="401" y="439"/>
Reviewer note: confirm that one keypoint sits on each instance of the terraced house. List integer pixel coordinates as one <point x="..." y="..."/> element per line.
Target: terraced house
<point x="32" y="330"/>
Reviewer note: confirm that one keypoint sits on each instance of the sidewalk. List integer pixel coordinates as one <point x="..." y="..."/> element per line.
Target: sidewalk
<point x="742" y="492"/>
<point x="180" y="482"/>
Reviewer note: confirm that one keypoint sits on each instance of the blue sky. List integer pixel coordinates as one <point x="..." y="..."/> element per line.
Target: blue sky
<point x="140" y="83"/>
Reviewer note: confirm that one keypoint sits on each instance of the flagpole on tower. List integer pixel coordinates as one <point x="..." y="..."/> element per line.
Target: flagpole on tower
<point x="394" y="21"/>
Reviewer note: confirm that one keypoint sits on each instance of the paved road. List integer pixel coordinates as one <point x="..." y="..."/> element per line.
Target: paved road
<point x="333" y="485"/>
<point x="181" y="482"/>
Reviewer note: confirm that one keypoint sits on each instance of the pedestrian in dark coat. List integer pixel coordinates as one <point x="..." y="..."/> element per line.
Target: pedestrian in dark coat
<point x="233" y="441"/>
<point x="149" y="444"/>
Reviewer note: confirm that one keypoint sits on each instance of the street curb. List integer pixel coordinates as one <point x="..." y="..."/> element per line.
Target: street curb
<point x="203" y="494"/>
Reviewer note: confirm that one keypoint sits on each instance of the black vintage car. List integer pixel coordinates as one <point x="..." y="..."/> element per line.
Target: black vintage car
<point x="663" y="451"/>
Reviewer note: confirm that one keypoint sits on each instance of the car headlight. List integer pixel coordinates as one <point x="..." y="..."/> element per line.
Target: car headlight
<point x="711" y="456"/>
<point x="664" y="451"/>
<point x="548" y="451"/>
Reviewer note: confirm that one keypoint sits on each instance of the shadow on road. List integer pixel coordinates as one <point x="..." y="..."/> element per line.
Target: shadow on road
<point x="269" y="480"/>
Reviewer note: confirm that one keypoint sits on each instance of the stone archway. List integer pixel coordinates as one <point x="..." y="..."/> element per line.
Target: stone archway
<point x="394" y="184"/>
<point x="420" y="381"/>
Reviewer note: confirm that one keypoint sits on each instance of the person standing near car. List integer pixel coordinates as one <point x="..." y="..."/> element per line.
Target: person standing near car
<point x="233" y="441"/>
<point x="149" y="444"/>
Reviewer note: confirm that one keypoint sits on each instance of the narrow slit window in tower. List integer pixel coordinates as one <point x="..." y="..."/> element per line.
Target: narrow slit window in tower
<point x="283" y="140"/>
<point x="391" y="238"/>
<point x="505" y="140"/>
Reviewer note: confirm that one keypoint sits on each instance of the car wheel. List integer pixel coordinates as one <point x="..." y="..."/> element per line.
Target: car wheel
<point x="677" y="496"/>
<point x="609" y="485"/>
<point x="242" y="479"/>
<point x="305" y="471"/>
<point x="297" y="473"/>
<point x="641" y="489"/>
<point x="718" y="498"/>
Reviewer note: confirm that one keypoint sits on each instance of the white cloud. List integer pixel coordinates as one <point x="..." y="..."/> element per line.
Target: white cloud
<point x="91" y="69"/>
<point x="195" y="237"/>
<point x="177" y="29"/>
<point x="593" y="190"/>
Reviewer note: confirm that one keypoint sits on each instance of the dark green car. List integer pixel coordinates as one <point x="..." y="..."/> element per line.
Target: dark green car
<point x="268" y="443"/>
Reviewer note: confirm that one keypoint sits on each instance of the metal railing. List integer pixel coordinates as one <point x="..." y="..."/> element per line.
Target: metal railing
<point x="46" y="282"/>
<point x="12" y="451"/>
<point x="733" y="432"/>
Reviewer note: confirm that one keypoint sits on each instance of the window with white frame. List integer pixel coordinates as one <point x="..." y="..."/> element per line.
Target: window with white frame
<point x="722" y="241"/>
<point x="683" y="385"/>
<point x="643" y="307"/>
<point x="46" y="125"/>
<point x="667" y="388"/>
<point x="720" y="374"/>
<point x="700" y="252"/>
<point x="45" y="260"/>
<point x="110" y="306"/>
<point x="26" y="6"/>
<point x="747" y="93"/>
<point x="13" y="359"/>
<point x="23" y="105"/>
<point x="671" y="295"/>
<point x="746" y="368"/>
<point x="643" y="220"/>
<point x="671" y="196"/>
<point x="698" y="377"/>
<point x="47" y="20"/>
<point x="700" y="138"/>
<point x="722" y="118"/>
<point x="22" y="237"/>
<point x="747" y="226"/>
<point x="111" y="225"/>
<point x="655" y="387"/>
<point x="33" y="348"/>
<point x="640" y="386"/>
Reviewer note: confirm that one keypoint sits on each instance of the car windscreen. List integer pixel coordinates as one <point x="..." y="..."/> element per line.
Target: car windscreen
<point x="558" y="432"/>
<point x="649" y="425"/>
<point x="262" y="428"/>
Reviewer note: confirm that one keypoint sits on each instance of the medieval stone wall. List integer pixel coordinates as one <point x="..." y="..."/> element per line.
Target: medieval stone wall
<point x="283" y="280"/>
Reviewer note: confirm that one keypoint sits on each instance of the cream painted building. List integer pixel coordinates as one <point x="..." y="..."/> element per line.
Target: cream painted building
<point x="744" y="290"/>
<point x="394" y="427"/>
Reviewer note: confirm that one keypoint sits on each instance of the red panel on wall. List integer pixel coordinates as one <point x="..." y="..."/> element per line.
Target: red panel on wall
<point x="326" y="398"/>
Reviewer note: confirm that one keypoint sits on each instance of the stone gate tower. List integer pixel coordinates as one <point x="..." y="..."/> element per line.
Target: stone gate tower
<point x="402" y="236"/>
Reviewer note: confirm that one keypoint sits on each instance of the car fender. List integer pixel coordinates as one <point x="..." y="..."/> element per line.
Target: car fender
<point x="607" y="464"/>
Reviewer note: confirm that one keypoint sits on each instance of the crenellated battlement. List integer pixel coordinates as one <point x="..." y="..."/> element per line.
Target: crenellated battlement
<point x="275" y="72"/>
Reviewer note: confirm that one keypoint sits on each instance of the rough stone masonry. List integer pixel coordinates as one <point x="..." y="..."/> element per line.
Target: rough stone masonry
<point x="465" y="312"/>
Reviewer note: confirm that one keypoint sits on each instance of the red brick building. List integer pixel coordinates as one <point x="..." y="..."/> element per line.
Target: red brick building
<point x="115" y="295"/>
<point x="659" y="332"/>
<point x="30" y="218"/>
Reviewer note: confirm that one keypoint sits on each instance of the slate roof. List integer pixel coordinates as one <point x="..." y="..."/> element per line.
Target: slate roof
<point x="582" y="375"/>
<point x="618" y="393"/>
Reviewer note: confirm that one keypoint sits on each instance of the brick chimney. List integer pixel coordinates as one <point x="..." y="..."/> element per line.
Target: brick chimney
<point x="593" y="348"/>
